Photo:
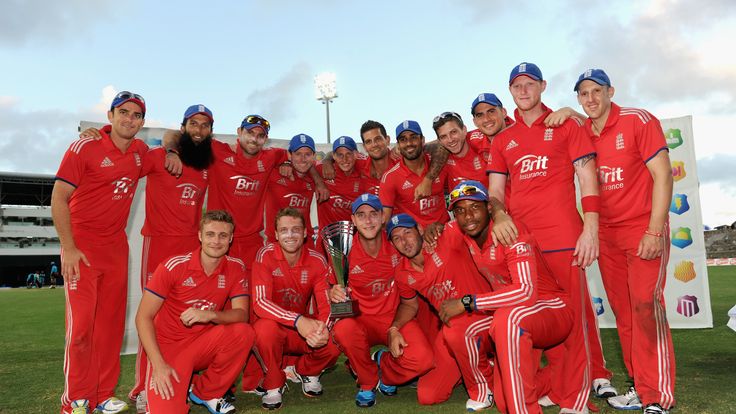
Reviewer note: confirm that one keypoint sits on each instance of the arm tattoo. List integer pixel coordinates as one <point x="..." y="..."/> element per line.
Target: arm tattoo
<point x="439" y="156"/>
<point x="581" y="162"/>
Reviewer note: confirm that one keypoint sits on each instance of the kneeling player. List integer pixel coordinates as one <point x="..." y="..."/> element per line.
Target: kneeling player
<point x="184" y="328"/>
<point x="285" y="276"/>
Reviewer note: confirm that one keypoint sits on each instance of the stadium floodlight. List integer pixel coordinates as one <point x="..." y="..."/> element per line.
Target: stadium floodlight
<point x="325" y="90"/>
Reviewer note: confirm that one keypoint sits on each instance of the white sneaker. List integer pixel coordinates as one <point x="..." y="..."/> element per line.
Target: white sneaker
<point x="655" y="409"/>
<point x="473" y="405"/>
<point x="291" y="374"/>
<point x="214" y="406"/>
<point x="602" y="388"/>
<point x="79" y="407"/>
<point x="311" y="387"/>
<point x="628" y="401"/>
<point x="545" y="401"/>
<point x="112" y="405"/>
<point x="272" y="400"/>
<point x="141" y="403"/>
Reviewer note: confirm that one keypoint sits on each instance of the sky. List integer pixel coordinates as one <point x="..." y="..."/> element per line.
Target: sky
<point x="62" y="62"/>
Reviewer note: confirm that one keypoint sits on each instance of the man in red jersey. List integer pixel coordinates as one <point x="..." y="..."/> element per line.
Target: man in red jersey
<point x="285" y="276"/>
<point x="460" y="351"/>
<point x="540" y="162"/>
<point x="636" y="189"/>
<point x="184" y="325"/>
<point x="398" y="183"/>
<point x="90" y="204"/>
<point x="173" y="210"/>
<point x="463" y="162"/>
<point x="295" y="193"/>
<point x="345" y="187"/>
<point x="529" y="308"/>
<point x="372" y="263"/>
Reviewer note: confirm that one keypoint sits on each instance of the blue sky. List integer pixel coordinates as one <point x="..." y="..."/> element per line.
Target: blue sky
<point x="63" y="61"/>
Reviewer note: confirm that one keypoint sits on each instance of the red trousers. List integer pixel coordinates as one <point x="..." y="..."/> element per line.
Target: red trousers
<point x="95" y="322"/>
<point x="355" y="336"/>
<point x="219" y="351"/>
<point x="516" y="331"/>
<point x="460" y="352"/>
<point x="155" y="250"/>
<point x="635" y="290"/>
<point x="274" y="340"/>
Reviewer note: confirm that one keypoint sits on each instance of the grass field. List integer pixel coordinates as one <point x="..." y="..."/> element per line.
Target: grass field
<point x="31" y="351"/>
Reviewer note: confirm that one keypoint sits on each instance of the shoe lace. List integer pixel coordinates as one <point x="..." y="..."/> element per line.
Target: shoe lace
<point x="631" y="393"/>
<point x="221" y="403"/>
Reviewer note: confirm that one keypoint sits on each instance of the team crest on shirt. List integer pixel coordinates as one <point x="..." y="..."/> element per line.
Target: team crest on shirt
<point x="395" y="260"/>
<point x="137" y="159"/>
<point x="436" y="259"/>
<point x="204" y="174"/>
<point x="620" y="141"/>
<point x="356" y="186"/>
<point x="511" y="145"/>
<point x="305" y="276"/>
<point x="260" y="166"/>
<point x="492" y="253"/>
<point x="229" y="160"/>
<point x="106" y="163"/>
<point x="406" y="185"/>
<point x="221" y="281"/>
<point x="476" y="163"/>
<point x="309" y="187"/>
<point x="548" y="134"/>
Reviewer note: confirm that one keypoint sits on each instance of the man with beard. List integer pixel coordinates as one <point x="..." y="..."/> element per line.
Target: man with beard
<point x="398" y="183"/>
<point x="345" y="187"/>
<point x="371" y="287"/>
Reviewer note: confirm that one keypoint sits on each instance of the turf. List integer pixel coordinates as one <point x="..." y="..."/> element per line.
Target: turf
<point x="32" y="335"/>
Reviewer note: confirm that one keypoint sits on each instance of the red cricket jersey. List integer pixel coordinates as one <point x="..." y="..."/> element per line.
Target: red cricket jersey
<point x="282" y="193"/>
<point x="182" y="283"/>
<point x="173" y="204"/>
<point x="344" y="189"/>
<point x="105" y="180"/>
<point x="469" y="167"/>
<point x="238" y="184"/>
<point x="539" y="163"/>
<point x="281" y="293"/>
<point x="449" y="273"/>
<point x="372" y="184"/>
<point x="397" y="192"/>
<point x="630" y="138"/>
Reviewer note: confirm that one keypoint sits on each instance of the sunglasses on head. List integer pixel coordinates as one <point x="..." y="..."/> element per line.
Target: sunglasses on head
<point x="257" y="120"/>
<point x="446" y="115"/>
<point x="466" y="190"/>
<point x="125" y="95"/>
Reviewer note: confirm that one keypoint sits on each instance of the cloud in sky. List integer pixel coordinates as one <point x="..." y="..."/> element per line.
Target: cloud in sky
<point x="277" y="100"/>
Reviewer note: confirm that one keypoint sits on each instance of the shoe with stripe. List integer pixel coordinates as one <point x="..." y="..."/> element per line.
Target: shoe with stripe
<point x="602" y="388"/>
<point x="655" y="409"/>
<point x="628" y="401"/>
<point x="79" y="407"/>
<point x="214" y="406"/>
<point x="112" y="405"/>
<point x="387" y="390"/>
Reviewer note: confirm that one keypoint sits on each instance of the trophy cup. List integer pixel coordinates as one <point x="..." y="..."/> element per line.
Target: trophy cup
<point x="337" y="239"/>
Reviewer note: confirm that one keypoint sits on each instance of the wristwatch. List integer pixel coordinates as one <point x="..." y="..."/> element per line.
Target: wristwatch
<point x="467" y="302"/>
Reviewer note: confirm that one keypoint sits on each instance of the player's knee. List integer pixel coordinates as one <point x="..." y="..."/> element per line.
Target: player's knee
<point x="265" y="330"/>
<point x="430" y="396"/>
<point x="242" y="333"/>
<point x="343" y="330"/>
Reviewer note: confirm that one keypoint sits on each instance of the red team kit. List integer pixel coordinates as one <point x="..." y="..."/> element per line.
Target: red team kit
<point x="462" y="269"/>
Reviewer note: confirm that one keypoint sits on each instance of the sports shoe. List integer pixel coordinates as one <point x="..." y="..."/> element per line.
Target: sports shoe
<point x="311" y="387"/>
<point x="229" y="396"/>
<point x="112" y="405"/>
<point x="602" y="388"/>
<point x="545" y="401"/>
<point x="365" y="398"/>
<point x="655" y="409"/>
<point x="387" y="390"/>
<point x="473" y="405"/>
<point x="141" y="403"/>
<point x="272" y="400"/>
<point x="79" y="407"/>
<point x="628" y="401"/>
<point x="291" y="375"/>
<point x="214" y="406"/>
<point x="259" y="391"/>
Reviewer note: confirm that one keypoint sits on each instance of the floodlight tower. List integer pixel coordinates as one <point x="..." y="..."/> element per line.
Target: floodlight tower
<point x="325" y="90"/>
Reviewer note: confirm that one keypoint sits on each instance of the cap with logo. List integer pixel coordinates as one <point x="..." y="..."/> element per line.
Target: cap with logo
<point x="198" y="109"/>
<point x="487" y="98"/>
<point x="468" y="190"/>
<point x="596" y="75"/>
<point x="369" y="199"/>
<point x="525" y="69"/>
<point x="408" y="125"/>
<point x="126" y="96"/>
<point x="400" y="220"/>
<point x="301" y="140"/>
<point x="252" y="121"/>
<point x="344" y="141"/>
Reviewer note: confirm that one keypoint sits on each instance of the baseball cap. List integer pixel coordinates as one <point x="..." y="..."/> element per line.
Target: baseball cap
<point x="488" y="98"/>
<point x="197" y="110"/>
<point x="344" y="141"/>
<point x="369" y="199"/>
<point x="525" y="69"/>
<point x="125" y="96"/>
<point x="400" y="220"/>
<point x="301" y="140"/>
<point x="596" y="75"/>
<point x="252" y="121"/>
<point x="468" y="190"/>
<point x="408" y="125"/>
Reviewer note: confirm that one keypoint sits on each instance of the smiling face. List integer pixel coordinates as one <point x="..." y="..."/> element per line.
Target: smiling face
<point x="290" y="233"/>
<point x="452" y="137"/>
<point x="410" y="145"/>
<point x="527" y="92"/>
<point x="489" y="119"/>
<point x="375" y="143"/>
<point x="345" y="159"/>
<point x="199" y="127"/>
<point x="368" y="221"/>
<point x="407" y="241"/>
<point x="215" y="237"/>
<point x="252" y="140"/>
<point x="126" y="120"/>
<point x="595" y="99"/>
<point x="472" y="216"/>
<point x="302" y="159"/>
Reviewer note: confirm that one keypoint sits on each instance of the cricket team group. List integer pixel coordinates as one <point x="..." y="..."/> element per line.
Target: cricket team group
<point x="467" y="263"/>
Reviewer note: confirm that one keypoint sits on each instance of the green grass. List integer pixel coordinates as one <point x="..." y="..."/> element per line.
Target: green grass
<point x="32" y="339"/>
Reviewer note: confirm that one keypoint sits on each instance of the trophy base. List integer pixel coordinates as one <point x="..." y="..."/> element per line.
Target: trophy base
<point x="341" y="310"/>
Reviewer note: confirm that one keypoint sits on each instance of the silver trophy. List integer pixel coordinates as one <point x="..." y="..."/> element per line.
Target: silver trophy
<point x="337" y="238"/>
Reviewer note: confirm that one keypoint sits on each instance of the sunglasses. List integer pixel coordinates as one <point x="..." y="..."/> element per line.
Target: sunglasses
<point x="446" y="115"/>
<point x="125" y="95"/>
<point x="257" y="120"/>
<point x="466" y="190"/>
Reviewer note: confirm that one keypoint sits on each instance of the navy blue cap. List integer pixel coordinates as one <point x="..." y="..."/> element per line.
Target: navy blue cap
<point x="408" y="125"/>
<point x="488" y="98"/>
<point x="369" y="199"/>
<point x="468" y="190"/>
<point x="344" y="141"/>
<point x="197" y="110"/>
<point x="525" y="69"/>
<point x="301" y="140"/>
<point x="252" y="121"/>
<point x="400" y="220"/>
<point x="596" y="75"/>
<point x="125" y="96"/>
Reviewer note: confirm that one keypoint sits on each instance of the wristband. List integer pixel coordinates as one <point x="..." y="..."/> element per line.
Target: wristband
<point x="591" y="204"/>
<point x="171" y="151"/>
<point x="652" y="233"/>
<point x="390" y="328"/>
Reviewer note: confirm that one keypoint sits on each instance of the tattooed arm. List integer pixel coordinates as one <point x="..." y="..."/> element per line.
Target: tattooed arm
<point x="439" y="156"/>
<point x="586" y="249"/>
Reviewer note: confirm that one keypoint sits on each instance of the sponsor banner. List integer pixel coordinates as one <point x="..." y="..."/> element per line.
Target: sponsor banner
<point x="687" y="296"/>
<point x="730" y="261"/>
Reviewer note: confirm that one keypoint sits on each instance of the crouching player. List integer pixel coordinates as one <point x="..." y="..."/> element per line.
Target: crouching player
<point x="529" y="308"/>
<point x="184" y="327"/>
<point x="373" y="262"/>
<point x="285" y="276"/>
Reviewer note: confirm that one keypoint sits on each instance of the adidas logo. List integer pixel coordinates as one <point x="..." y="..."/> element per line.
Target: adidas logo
<point x="106" y="163"/>
<point x="230" y="160"/>
<point x="512" y="144"/>
<point x="410" y="280"/>
<point x="189" y="282"/>
<point x="281" y="181"/>
<point x="406" y="185"/>
<point x="356" y="269"/>
<point x="277" y="272"/>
